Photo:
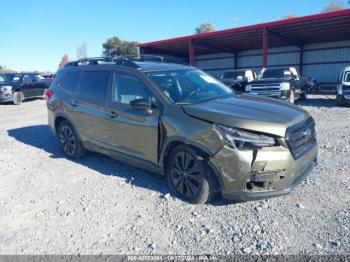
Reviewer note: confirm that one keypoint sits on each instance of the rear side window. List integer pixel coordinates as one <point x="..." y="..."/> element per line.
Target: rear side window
<point x="94" y="84"/>
<point x="69" y="81"/>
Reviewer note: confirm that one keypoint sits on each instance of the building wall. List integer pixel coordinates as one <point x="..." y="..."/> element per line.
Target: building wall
<point x="322" y="61"/>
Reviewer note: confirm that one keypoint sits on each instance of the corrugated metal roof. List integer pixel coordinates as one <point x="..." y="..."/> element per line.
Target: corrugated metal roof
<point x="332" y="26"/>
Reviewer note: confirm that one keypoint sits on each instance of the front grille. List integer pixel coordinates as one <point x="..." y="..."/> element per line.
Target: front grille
<point x="301" y="138"/>
<point x="264" y="89"/>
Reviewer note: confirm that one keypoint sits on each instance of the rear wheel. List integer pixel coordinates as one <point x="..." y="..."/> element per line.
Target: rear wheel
<point x="18" y="97"/>
<point x="69" y="141"/>
<point x="189" y="177"/>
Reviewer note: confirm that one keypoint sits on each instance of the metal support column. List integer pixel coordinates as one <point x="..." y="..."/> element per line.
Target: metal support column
<point x="301" y="59"/>
<point x="265" y="46"/>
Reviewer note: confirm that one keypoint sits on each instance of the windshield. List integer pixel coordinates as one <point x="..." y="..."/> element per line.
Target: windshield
<point x="2" y="79"/>
<point x="347" y="77"/>
<point x="189" y="86"/>
<point x="274" y="73"/>
<point x="234" y="74"/>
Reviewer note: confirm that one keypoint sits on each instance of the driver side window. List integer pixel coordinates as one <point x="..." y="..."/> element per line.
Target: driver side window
<point x="127" y="88"/>
<point x="27" y="79"/>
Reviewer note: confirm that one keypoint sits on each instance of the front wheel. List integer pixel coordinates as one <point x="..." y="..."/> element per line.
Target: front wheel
<point x="292" y="97"/>
<point x="18" y="98"/>
<point x="340" y="100"/>
<point x="189" y="177"/>
<point x="69" y="141"/>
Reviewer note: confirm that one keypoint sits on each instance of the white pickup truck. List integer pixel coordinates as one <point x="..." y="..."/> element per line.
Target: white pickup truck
<point x="343" y="88"/>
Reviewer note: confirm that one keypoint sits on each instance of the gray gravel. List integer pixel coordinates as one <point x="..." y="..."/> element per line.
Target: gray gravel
<point x="51" y="205"/>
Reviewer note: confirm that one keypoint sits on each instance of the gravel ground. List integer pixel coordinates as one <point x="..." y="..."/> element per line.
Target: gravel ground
<point x="51" y="205"/>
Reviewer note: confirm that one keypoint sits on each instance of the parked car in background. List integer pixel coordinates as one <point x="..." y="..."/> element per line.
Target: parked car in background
<point x="17" y="87"/>
<point x="238" y="79"/>
<point x="343" y="88"/>
<point x="283" y="83"/>
<point x="47" y="80"/>
<point x="176" y="120"/>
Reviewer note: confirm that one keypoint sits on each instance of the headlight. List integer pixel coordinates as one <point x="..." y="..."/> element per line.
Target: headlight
<point x="6" y="89"/>
<point x="285" y="86"/>
<point x="248" y="88"/>
<point x="240" y="139"/>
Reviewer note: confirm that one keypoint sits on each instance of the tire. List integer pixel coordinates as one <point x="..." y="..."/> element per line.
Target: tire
<point x="189" y="177"/>
<point x="292" y="97"/>
<point x="69" y="141"/>
<point x="340" y="101"/>
<point x="18" y="97"/>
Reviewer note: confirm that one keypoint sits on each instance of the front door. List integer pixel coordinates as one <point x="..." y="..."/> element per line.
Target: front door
<point x="132" y="131"/>
<point x="27" y="86"/>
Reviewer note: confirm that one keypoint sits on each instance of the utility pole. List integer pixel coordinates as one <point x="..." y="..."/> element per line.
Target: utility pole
<point x="235" y="22"/>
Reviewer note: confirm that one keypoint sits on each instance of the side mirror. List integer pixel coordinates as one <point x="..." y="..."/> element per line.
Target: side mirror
<point x="140" y="104"/>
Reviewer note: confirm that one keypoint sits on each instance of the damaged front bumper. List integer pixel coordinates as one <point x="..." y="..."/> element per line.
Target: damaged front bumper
<point x="268" y="172"/>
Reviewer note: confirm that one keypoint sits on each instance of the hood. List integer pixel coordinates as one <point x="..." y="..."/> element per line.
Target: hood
<point x="269" y="81"/>
<point x="8" y="83"/>
<point x="253" y="113"/>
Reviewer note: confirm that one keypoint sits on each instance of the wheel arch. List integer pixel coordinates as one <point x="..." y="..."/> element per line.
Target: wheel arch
<point x="61" y="117"/>
<point x="203" y="152"/>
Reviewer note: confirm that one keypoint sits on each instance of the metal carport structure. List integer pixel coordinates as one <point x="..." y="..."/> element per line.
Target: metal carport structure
<point x="297" y="32"/>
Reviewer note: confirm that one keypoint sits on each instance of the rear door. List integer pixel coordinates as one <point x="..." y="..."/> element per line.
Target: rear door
<point x="89" y="104"/>
<point x="132" y="131"/>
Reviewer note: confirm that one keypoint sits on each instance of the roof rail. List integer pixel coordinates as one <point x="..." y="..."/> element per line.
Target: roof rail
<point x="124" y="60"/>
<point x="118" y="60"/>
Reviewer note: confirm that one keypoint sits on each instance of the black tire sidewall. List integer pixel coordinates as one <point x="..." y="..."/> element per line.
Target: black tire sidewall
<point x="292" y="95"/>
<point x="207" y="186"/>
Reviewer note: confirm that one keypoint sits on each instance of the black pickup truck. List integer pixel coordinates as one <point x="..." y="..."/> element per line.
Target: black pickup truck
<point x="283" y="83"/>
<point x="16" y="87"/>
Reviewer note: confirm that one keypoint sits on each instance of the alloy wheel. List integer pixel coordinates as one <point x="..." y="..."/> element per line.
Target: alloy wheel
<point x="185" y="175"/>
<point x="67" y="140"/>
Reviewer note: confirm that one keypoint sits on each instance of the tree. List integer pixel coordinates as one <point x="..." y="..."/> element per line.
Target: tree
<point x="64" y="60"/>
<point x="82" y="51"/>
<point x="114" y="46"/>
<point x="336" y="5"/>
<point x="205" y="28"/>
<point x="290" y="16"/>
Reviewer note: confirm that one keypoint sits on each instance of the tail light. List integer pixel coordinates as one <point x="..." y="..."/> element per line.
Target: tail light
<point x="48" y="94"/>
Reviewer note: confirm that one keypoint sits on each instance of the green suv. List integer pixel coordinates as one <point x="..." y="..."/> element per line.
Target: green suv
<point x="178" y="121"/>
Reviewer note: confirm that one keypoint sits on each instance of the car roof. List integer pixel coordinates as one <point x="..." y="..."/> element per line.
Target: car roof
<point x="144" y="66"/>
